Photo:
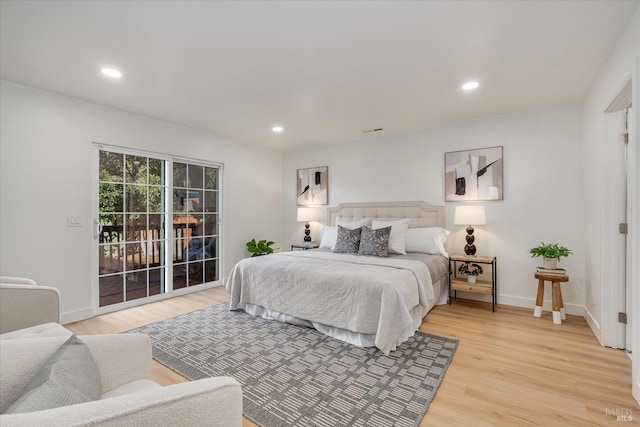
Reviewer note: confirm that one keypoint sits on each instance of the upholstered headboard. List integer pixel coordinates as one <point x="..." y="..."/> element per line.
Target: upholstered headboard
<point x="420" y="213"/>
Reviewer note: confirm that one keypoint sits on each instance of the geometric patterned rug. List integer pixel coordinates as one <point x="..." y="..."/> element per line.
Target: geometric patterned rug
<point x="296" y="376"/>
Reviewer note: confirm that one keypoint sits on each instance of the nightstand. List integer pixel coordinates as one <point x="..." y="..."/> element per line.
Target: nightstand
<point x="306" y="245"/>
<point x="487" y="287"/>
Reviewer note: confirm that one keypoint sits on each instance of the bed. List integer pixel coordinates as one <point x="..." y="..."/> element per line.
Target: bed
<point x="364" y="300"/>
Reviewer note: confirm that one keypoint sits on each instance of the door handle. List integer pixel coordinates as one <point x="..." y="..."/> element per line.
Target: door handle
<point x="97" y="228"/>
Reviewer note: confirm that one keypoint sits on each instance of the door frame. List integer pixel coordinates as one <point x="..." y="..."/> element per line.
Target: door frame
<point x="634" y="235"/>
<point x="613" y="287"/>
<point x="170" y="292"/>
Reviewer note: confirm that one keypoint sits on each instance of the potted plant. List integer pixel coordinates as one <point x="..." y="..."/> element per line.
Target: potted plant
<point x="551" y="253"/>
<point x="262" y="247"/>
<point x="471" y="269"/>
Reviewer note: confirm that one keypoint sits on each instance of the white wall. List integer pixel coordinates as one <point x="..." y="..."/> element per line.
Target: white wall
<point x="45" y="175"/>
<point x="620" y="67"/>
<point x="544" y="188"/>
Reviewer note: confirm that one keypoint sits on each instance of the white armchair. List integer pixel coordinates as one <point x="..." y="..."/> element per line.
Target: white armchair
<point x="23" y="304"/>
<point x="129" y="396"/>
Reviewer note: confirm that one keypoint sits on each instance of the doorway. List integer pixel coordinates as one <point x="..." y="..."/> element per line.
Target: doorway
<point x="618" y="117"/>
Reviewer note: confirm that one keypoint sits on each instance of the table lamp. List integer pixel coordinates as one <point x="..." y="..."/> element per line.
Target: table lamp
<point x="470" y="215"/>
<point x="305" y="215"/>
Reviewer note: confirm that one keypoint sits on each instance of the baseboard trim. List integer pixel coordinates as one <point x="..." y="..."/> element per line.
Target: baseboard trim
<point x="75" y="316"/>
<point x="594" y="325"/>
<point x="573" y="309"/>
<point x="87" y="313"/>
<point x="569" y="308"/>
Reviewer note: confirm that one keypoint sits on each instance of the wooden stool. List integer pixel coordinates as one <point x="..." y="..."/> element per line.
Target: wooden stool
<point x="556" y="296"/>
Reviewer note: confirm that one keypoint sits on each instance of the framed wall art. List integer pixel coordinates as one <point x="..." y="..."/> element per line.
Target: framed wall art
<point x="312" y="186"/>
<point x="473" y="175"/>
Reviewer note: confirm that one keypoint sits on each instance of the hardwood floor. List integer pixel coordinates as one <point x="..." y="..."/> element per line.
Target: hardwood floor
<point x="510" y="368"/>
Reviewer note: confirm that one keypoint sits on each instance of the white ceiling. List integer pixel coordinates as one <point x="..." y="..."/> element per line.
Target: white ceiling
<point x="324" y="70"/>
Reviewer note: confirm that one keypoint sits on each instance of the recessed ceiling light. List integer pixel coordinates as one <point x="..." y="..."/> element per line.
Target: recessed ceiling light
<point x="111" y="72"/>
<point x="470" y="85"/>
<point x="277" y="129"/>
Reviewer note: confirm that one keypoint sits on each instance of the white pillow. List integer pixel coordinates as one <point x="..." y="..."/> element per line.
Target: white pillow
<point x="427" y="240"/>
<point x="398" y="236"/>
<point x="352" y="224"/>
<point x="329" y="237"/>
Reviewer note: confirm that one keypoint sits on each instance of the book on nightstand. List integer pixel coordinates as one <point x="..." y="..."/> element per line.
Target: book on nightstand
<point x="552" y="271"/>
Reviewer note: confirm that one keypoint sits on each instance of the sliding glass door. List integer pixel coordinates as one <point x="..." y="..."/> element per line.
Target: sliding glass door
<point x="147" y="245"/>
<point x="195" y="221"/>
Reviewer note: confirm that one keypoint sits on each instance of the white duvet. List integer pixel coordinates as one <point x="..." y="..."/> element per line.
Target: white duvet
<point x="366" y="295"/>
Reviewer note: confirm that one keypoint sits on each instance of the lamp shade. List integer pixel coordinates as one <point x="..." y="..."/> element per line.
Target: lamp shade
<point x="308" y="214"/>
<point x="469" y="215"/>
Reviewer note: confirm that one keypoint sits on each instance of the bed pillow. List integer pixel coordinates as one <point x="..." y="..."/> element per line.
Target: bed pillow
<point x="69" y="377"/>
<point x="427" y="240"/>
<point x="348" y="241"/>
<point x="329" y="236"/>
<point x="374" y="242"/>
<point x="352" y="224"/>
<point x="398" y="236"/>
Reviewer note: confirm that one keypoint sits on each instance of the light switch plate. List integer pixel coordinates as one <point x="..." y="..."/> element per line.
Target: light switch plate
<point x="74" y="221"/>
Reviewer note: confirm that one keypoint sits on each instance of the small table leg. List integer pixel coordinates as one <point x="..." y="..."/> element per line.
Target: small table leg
<point x="562" y="314"/>
<point x="556" y="303"/>
<point x="537" y="312"/>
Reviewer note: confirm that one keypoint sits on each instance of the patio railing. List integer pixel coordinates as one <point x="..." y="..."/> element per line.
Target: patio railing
<point x="143" y="246"/>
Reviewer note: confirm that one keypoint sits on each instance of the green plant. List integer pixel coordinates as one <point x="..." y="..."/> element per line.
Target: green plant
<point x="470" y="269"/>
<point x="262" y="247"/>
<point x="551" y="250"/>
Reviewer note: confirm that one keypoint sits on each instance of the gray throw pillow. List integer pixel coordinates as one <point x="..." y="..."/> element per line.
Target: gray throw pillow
<point x="70" y="376"/>
<point x="374" y="242"/>
<point x="348" y="241"/>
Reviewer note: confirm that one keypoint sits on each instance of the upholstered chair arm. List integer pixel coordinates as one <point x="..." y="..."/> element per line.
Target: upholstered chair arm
<point x="212" y="402"/>
<point x="22" y="306"/>
<point x="17" y="280"/>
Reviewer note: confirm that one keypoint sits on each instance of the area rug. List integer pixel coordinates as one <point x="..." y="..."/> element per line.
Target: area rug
<point x="295" y="376"/>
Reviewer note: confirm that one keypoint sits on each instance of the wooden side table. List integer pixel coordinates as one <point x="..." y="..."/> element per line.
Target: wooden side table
<point x="480" y="286"/>
<point x="556" y="296"/>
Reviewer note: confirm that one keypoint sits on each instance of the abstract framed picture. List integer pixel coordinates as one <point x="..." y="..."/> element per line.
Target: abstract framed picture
<point x="473" y="175"/>
<point x="312" y="186"/>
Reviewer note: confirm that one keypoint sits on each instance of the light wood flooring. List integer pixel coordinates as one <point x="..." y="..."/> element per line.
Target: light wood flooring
<point x="510" y="368"/>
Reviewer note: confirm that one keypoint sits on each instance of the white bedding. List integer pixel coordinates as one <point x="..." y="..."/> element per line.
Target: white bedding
<point x="380" y="299"/>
